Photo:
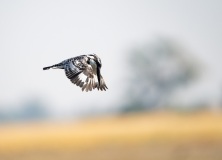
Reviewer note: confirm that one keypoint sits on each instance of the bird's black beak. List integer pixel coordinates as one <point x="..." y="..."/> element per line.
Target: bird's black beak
<point x="98" y="75"/>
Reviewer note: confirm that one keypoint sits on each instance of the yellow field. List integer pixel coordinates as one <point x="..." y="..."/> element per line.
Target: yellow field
<point x="141" y="136"/>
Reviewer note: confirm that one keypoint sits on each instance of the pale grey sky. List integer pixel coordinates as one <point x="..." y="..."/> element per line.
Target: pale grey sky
<point x="34" y="34"/>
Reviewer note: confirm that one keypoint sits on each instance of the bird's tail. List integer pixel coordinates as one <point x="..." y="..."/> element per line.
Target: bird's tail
<point x="46" y="68"/>
<point x="59" y="66"/>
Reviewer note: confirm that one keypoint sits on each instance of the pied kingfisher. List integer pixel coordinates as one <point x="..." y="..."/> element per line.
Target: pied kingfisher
<point x="83" y="71"/>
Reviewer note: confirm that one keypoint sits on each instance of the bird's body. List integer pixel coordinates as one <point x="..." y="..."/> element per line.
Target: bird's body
<point x="83" y="71"/>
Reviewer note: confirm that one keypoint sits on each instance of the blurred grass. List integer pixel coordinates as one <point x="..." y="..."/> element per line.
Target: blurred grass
<point x="150" y="135"/>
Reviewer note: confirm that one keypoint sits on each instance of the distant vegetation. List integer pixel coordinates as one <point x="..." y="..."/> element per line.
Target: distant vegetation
<point x="31" y="110"/>
<point x="156" y="71"/>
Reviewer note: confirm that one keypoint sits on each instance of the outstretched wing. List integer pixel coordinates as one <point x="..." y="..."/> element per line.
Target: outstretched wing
<point x="81" y="74"/>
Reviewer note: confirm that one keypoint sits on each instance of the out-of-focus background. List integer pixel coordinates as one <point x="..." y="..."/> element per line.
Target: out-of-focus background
<point x="161" y="62"/>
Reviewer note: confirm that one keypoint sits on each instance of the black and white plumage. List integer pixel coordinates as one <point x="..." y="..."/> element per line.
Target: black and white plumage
<point x="83" y="71"/>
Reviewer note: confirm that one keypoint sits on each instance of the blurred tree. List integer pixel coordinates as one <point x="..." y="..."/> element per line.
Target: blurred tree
<point x="32" y="109"/>
<point x="156" y="70"/>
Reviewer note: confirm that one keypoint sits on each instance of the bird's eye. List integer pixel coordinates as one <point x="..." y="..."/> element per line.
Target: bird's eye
<point x="88" y="61"/>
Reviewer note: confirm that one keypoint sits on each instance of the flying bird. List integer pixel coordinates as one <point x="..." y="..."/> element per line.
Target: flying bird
<point x="83" y="71"/>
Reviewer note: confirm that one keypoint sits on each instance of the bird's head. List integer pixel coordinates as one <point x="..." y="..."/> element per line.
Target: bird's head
<point x="96" y="59"/>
